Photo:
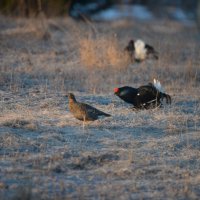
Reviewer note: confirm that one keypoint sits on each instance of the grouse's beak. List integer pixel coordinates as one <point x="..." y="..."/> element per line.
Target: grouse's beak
<point x="67" y="95"/>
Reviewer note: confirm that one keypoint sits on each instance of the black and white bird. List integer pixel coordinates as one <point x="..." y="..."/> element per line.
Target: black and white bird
<point x="139" y="51"/>
<point x="144" y="97"/>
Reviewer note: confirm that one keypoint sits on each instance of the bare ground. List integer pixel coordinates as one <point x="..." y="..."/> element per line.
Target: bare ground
<point x="47" y="154"/>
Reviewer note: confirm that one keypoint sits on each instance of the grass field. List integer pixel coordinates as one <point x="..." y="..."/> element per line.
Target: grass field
<point x="47" y="154"/>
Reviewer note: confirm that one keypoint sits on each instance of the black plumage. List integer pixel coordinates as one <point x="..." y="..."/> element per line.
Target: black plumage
<point x="130" y="49"/>
<point x="144" y="97"/>
<point x="151" y="51"/>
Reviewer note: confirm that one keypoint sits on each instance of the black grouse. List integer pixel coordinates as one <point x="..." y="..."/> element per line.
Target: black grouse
<point x="139" y="51"/>
<point x="82" y="111"/>
<point x="144" y="97"/>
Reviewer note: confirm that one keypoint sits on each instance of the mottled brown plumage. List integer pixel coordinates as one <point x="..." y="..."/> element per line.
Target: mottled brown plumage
<point x="82" y="111"/>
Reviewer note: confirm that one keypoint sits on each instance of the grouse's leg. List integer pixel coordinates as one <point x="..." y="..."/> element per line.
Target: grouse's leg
<point x="83" y="122"/>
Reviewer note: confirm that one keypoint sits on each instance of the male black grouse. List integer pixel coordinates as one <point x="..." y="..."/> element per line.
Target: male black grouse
<point x="144" y="97"/>
<point x="83" y="111"/>
<point x="139" y="51"/>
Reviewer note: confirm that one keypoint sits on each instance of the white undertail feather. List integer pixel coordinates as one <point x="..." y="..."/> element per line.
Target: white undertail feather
<point x="158" y="85"/>
<point x="140" y="51"/>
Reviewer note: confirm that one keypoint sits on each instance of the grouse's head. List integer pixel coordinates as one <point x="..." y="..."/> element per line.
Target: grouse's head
<point x="131" y="42"/>
<point x="130" y="46"/>
<point x="116" y="91"/>
<point x="71" y="97"/>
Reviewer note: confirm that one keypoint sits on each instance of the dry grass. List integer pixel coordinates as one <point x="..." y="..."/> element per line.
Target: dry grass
<point x="46" y="154"/>
<point x="102" y="52"/>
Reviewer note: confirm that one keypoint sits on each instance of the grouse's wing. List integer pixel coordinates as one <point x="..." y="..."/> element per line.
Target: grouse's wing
<point x="128" y="94"/>
<point x="92" y="110"/>
<point x="149" y="48"/>
<point x="147" y="94"/>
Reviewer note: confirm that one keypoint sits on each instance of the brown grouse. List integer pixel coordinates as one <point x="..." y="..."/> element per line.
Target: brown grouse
<point x="144" y="97"/>
<point x="82" y="111"/>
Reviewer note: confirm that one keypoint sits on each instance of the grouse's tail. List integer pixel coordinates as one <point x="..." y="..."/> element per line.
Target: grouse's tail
<point x="158" y="85"/>
<point x="105" y="114"/>
<point x="101" y="113"/>
<point x="167" y="97"/>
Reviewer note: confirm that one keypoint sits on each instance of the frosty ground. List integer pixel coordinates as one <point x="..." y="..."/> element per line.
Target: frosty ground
<point x="47" y="154"/>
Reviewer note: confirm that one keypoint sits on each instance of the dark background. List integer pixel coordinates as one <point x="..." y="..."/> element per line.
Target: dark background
<point x="30" y="8"/>
<point x="86" y="9"/>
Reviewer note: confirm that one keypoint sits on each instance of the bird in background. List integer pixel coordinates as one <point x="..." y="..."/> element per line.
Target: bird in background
<point x="83" y="111"/>
<point x="139" y="51"/>
<point x="145" y="97"/>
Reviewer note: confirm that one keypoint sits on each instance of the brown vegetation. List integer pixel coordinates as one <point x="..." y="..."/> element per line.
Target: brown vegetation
<point x="45" y="153"/>
<point x="102" y="52"/>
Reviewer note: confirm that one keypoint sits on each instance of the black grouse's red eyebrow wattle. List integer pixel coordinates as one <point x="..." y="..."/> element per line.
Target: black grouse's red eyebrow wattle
<point x="116" y="90"/>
